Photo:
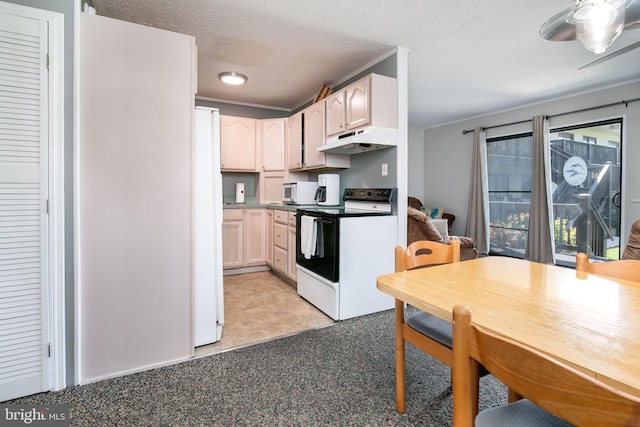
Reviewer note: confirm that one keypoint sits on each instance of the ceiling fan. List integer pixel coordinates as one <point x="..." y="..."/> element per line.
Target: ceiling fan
<point x="596" y="24"/>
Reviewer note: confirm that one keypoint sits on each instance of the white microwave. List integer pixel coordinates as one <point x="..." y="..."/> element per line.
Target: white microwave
<point x="299" y="193"/>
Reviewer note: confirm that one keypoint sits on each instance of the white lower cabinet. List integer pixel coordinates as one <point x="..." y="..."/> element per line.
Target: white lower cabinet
<point x="291" y="251"/>
<point x="284" y="243"/>
<point x="280" y="241"/>
<point x="254" y="237"/>
<point x="279" y="259"/>
<point x="232" y="238"/>
<point x="269" y="232"/>
<point x="243" y="237"/>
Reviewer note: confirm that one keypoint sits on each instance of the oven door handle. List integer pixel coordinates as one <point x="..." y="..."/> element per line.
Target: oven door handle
<point x="324" y="221"/>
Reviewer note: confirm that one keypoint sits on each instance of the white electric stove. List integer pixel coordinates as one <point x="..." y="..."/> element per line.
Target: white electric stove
<point x="341" y="251"/>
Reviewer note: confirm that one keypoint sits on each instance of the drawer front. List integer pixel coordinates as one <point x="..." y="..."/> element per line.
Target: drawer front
<point x="280" y="216"/>
<point x="280" y="235"/>
<point x="232" y="214"/>
<point x="292" y="219"/>
<point x="280" y="259"/>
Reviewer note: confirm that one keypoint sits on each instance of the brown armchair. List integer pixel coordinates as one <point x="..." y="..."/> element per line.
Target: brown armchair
<point x="632" y="250"/>
<point x="421" y="227"/>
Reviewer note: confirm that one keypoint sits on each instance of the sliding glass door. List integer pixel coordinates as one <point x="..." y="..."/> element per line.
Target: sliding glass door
<point x="586" y="174"/>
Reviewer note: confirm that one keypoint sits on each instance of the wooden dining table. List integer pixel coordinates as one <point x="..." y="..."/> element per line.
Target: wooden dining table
<point x="590" y="322"/>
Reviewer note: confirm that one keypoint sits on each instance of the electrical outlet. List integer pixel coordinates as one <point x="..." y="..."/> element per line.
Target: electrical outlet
<point x="385" y="170"/>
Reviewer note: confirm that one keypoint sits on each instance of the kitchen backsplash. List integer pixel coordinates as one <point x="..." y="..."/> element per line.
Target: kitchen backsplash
<point x="229" y="180"/>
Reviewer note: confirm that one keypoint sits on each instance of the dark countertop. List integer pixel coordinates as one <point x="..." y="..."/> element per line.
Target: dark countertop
<point x="291" y="208"/>
<point x="243" y="206"/>
<point x="250" y="204"/>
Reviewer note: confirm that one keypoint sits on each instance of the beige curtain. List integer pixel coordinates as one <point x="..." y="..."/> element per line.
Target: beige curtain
<point x="540" y="243"/>
<point x="478" y="213"/>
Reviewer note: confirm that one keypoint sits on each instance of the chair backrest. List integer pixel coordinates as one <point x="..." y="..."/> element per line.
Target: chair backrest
<point x="558" y="388"/>
<point x="423" y="253"/>
<point x="627" y="269"/>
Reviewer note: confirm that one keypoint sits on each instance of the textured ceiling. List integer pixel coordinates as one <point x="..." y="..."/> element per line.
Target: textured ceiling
<point x="467" y="58"/>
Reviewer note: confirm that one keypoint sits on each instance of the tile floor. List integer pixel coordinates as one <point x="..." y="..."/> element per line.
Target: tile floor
<point x="259" y="307"/>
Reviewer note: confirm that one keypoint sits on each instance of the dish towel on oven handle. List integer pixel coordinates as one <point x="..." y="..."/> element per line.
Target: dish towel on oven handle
<point x="308" y="235"/>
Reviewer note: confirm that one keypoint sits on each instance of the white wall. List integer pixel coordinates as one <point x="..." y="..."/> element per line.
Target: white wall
<point x="134" y="200"/>
<point x="416" y="164"/>
<point x="447" y="152"/>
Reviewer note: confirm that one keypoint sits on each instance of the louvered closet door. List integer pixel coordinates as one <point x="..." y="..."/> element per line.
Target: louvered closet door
<point x="23" y="193"/>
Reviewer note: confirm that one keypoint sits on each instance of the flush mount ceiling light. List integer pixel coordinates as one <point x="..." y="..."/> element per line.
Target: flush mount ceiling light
<point x="595" y="23"/>
<point x="232" y="78"/>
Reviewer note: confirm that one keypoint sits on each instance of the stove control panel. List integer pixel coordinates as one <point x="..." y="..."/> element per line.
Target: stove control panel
<point x="369" y="194"/>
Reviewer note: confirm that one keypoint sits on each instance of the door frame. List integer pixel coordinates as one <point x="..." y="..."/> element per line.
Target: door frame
<point x="56" y="238"/>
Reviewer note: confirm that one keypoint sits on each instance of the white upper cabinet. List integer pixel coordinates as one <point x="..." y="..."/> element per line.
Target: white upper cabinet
<point x="238" y="148"/>
<point x="336" y="116"/>
<point x="294" y="141"/>
<point x="372" y="100"/>
<point x="358" y="111"/>
<point x="273" y="135"/>
<point x="314" y="135"/>
<point x="303" y="145"/>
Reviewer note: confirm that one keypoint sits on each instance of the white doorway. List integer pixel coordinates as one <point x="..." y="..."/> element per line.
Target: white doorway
<point x="31" y="201"/>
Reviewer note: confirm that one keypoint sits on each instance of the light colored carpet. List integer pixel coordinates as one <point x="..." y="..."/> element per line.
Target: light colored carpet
<point x="259" y="307"/>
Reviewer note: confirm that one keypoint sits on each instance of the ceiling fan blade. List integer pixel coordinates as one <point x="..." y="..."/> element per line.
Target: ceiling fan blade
<point x="557" y="28"/>
<point x="612" y="55"/>
<point x="632" y="14"/>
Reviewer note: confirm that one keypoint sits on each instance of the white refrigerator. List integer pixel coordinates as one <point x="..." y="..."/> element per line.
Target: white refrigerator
<point x="208" y="297"/>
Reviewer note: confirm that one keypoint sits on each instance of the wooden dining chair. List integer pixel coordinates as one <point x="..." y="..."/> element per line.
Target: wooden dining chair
<point x="564" y="392"/>
<point x="423" y="330"/>
<point x="627" y="269"/>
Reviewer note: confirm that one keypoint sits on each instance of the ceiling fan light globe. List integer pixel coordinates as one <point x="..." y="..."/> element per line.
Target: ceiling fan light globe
<point x="598" y="23"/>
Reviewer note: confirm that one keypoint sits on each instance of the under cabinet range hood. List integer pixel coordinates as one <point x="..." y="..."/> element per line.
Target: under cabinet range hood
<point x="361" y="140"/>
